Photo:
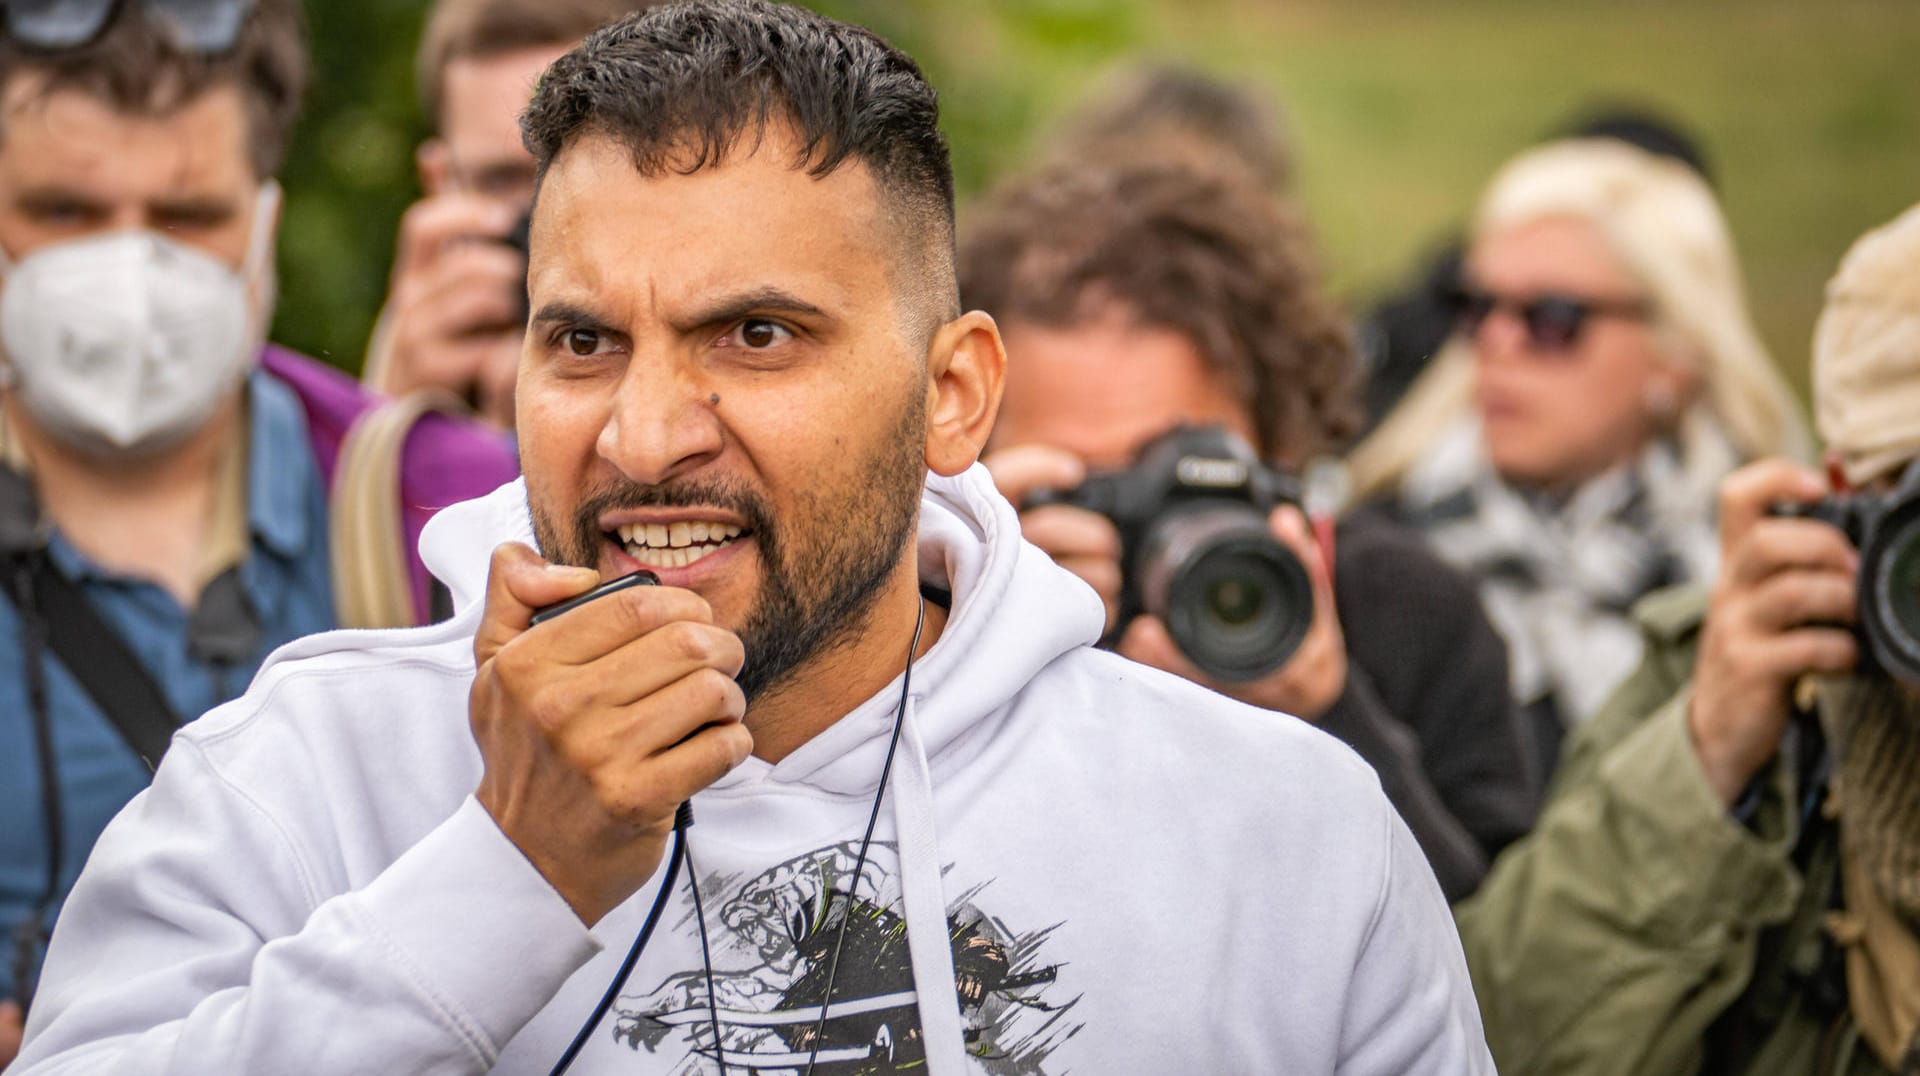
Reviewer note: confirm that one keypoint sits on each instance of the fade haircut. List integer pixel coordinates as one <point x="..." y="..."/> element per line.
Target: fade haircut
<point x="481" y="29"/>
<point x="684" y="86"/>
<point x="1205" y="253"/>
<point x="134" y="65"/>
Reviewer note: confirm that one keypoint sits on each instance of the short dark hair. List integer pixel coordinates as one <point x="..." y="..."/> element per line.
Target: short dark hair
<point x="478" y="29"/>
<point x="681" y="86"/>
<point x="135" y="65"/>
<point x="1202" y="252"/>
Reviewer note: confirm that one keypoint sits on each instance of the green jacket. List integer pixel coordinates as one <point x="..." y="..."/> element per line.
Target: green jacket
<point x="1640" y="929"/>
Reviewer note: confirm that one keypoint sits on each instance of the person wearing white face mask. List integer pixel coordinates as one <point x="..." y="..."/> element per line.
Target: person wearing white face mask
<point x="177" y="497"/>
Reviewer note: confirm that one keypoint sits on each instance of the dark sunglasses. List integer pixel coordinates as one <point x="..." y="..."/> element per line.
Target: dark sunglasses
<point x="1553" y="322"/>
<point x="207" y="26"/>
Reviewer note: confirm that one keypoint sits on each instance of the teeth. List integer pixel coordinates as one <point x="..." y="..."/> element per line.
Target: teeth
<point x="677" y="536"/>
<point x="655" y="557"/>
<point x="674" y="545"/>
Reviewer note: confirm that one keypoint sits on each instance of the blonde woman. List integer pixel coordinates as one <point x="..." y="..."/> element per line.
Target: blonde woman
<point x="1603" y="375"/>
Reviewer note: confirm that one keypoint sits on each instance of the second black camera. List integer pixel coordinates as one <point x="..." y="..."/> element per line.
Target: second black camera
<point x="1197" y="551"/>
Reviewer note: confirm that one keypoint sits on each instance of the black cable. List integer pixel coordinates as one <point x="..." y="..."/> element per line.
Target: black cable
<point x="682" y="819"/>
<point x="32" y="932"/>
<point x="860" y="863"/>
<point x="706" y="961"/>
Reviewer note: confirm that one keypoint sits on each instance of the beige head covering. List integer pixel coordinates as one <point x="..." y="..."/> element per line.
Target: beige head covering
<point x="1866" y="353"/>
<point x="1662" y="220"/>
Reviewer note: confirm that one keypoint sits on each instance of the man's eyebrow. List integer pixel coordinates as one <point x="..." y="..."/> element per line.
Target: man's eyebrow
<point x="560" y="310"/>
<point x="731" y="308"/>
<point x="194" y="207"/>
<point x="41" y="199"/>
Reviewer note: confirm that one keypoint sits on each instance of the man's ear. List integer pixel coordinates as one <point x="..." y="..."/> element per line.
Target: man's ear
<point x="966" y="371"/>
<point x="435" y="164"/>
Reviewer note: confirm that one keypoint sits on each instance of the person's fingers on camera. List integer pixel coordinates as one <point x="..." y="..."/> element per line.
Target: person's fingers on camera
<point x="1817" y="651"/>
<point x="1772" y="546"/>
<point x="1289" y="525"/>
<point x="1148" y="642"/>
<point x="519" y="583"/>
<point x="477" y="285"/>
<point x="446" y="329"/>
<point x="443" y="363"/>
<point x="1749" y="495"/>
<point x="1065" y="531"/>
<point x="1791" y="599"/>
<point x="1020" y="470"/>
<point x="433" y="226"/>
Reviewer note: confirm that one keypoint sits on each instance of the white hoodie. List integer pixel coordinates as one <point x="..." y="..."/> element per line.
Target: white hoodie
<point x="1114" y="871"/>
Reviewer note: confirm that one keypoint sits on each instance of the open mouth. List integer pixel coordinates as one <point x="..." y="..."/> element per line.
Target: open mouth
<point x="675" y="545"/>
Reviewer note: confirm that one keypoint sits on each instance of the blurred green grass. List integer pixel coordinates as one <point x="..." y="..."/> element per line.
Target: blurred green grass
<point x="1401" y="109"/>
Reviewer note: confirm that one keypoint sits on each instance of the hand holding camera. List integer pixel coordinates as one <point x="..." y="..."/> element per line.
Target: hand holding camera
<point x="594" y="727"/>
<point x="1313" y="677"/>
<point x="1203" y="558"/>
<point x="456" y="308"/>
<point x="1783" y="607"/>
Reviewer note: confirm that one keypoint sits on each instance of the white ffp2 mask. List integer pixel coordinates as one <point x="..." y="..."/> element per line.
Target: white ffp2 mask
<point x="125" y="343"/>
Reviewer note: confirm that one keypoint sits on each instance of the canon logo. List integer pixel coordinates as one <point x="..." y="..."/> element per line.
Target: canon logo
<point x="1211" y="471"/>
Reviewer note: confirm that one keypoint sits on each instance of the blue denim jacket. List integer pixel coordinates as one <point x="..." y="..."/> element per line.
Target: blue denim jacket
<point x="285" y="579"/>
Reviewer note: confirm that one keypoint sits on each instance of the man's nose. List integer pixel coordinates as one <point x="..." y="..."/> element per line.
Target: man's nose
<point x="1503" y="335"/>
<point x="663" y="423"/>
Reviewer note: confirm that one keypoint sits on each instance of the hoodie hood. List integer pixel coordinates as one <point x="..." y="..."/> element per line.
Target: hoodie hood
<point x="1014" y="611"/>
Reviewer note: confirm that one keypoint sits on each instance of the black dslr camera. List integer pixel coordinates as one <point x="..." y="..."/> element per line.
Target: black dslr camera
<point x="1885" y="528"/>
<point x="1196" y="550"/>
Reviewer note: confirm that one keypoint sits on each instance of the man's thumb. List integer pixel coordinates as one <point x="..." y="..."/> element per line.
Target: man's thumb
<point x="519" y="583"/>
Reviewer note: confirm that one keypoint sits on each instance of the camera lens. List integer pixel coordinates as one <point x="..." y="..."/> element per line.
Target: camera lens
<point x="1890" y="567"/>
<point x="1235" y="600"/>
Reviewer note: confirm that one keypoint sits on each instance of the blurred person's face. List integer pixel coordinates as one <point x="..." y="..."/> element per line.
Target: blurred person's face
<point x="1570" y="376"/>
<point x="71" y="165"/>
<point x="718" y="385"/>
<point x="478" y="148"/>
<point x="1103" y="388"/>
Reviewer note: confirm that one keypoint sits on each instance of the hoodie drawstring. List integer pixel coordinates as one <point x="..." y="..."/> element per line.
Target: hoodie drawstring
<point x="929" y="938"/>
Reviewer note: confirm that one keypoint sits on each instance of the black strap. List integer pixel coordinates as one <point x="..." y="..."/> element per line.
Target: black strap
<point x="99" y="659"/>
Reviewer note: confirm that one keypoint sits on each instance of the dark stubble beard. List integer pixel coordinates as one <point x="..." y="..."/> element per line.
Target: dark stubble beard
<point x="823" y="567"/>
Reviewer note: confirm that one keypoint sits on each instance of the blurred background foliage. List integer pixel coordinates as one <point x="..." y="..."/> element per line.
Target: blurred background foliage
<point x="1400" y="111"/>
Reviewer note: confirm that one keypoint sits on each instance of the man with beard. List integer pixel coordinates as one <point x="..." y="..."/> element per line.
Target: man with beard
<point x="426" y="851"/>
<point x="1726" y="878"/>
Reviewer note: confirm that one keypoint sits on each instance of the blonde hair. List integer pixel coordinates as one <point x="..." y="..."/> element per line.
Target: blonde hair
<point x="1661" y="220"/>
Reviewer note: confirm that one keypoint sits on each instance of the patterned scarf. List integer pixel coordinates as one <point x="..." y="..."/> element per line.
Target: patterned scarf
<point x="1559" y="576"/>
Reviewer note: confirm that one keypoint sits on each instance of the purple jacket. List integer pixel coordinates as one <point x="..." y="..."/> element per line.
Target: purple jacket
<point x="444" y="461"/>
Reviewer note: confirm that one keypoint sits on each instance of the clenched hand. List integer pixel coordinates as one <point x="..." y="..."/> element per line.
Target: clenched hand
<point x="595" y="726"/>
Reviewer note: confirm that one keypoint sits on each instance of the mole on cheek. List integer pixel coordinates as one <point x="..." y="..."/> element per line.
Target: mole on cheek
<point x="714" y="399"/>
